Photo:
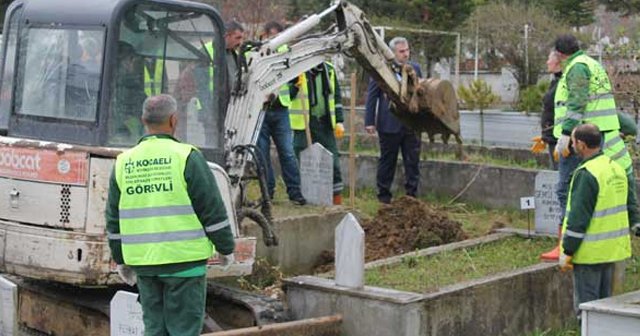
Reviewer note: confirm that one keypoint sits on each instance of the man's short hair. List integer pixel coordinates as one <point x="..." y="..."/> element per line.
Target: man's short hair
<point x="397" y="40"/>
<point x="233" y="25"/>
<point x="156" y="110"/>
<point x="589" y="134"/>
<point x="271" y="25"/>
<point x="567" y="44"/>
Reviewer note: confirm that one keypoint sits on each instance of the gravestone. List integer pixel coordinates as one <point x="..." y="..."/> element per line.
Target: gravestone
<point x="8" y="307"/>
<point x="126" y="315"/>
<point x="547" y="204"/>
<point x="349" y="253"/>
<point x="316" y="175"/>
<point x="195" y="127"/>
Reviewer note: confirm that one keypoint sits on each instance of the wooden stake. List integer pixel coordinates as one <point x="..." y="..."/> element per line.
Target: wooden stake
<point x="325" y="326"/>
<point x="305" y="112"/>
<point x="352" y="143"/>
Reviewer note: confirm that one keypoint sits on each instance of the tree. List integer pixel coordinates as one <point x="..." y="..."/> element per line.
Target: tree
<point x="530" y="98"/>
<point x="478" y="96"/>
<point x="501" y="33"/>
<point x="251" y="13"/>
<point x="424" y="14"/>
<point x="621" y="63"/>
<point x="624" y="7"/>
<point x="576" y="13"/>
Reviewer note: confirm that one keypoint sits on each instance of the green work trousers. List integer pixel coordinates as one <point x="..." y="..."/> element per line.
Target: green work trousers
<point x="172" y="306"/>
<point x="322" y="133"/>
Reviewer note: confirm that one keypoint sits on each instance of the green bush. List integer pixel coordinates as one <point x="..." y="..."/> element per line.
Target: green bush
<point x="530" y="99"/>
<point x="478" y="95"/>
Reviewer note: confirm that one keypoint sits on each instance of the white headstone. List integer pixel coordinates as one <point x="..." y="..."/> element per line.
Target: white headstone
<point x="8" y="307"/>
<point x="126" y="315"/>
<point x="316" y="175"/>
<point x="349" y="253"/>
<point x="195" y="127"/>
<point x="547" y="205"/>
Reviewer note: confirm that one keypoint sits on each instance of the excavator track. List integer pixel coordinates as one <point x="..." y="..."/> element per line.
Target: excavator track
<point x="246" y="309"/>
<point x="48" y="308"/>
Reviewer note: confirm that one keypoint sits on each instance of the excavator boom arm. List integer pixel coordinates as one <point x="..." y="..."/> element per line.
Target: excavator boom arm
<point x="269" y="69"/>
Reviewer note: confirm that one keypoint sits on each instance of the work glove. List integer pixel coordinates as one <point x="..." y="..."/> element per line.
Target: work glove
<point x="538" y="145"/>
<point x="562" y="147"/>
<point x="371" y="130"/>
<point x="565" y="263"/>
<point x="339" y="131"/>
<point x="127" y="274"/>
<point x="300" y="81"/>
<point x="226" y="261"/>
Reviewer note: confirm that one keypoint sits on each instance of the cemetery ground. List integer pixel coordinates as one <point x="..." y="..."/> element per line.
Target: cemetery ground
<point x="424" y="274"/>
<point x="430" y="273"/>
<point x="465" y="264"/>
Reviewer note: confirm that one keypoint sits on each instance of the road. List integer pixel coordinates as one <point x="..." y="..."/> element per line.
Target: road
<point x="502" y="129"/>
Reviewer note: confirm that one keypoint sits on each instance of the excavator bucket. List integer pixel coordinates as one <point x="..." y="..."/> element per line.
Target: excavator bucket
<point x="431" y="106"/>
<point x="441" y="98"/>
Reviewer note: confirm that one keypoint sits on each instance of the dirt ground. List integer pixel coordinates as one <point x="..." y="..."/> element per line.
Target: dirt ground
<point x="405" y="225"/>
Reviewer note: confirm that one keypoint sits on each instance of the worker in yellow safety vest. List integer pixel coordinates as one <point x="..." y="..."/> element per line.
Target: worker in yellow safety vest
<point x="165" y="217"/>
<point x="583" y="95"/>
<point x="154" y="77"/>
<point x="318" y="92"/>
<point x="276" y="126"/>
<point x="599" y="214"/>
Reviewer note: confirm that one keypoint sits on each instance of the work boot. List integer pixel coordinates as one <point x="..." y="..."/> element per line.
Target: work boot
<point x="554" y="254"/>
<point x="298" y="200"/>
<point x="337" y="199"/>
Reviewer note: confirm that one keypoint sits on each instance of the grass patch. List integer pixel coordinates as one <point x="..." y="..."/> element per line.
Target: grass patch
<point x="632" y="271"/>
<point x="571" y="329"/>
<point x="282" y="207"/>
<point x="484" y="159"/>
<point x="366" y="145"/>
<point x="427" y="274"/>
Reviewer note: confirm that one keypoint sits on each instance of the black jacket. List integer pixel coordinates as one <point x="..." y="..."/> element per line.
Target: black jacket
<point x="546" y="119"/>
<point x="377" y="109"/>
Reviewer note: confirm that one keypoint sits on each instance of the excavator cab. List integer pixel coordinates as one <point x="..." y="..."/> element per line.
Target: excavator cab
<point x="73" y="80"/>
<point x="78" y="71"/>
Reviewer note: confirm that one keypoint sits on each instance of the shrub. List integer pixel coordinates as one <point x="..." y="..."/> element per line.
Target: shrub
<point x="478" y="95"/>
<point x="530" y="99"/>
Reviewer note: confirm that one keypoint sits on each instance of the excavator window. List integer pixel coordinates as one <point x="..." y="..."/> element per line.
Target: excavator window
<point x="6" y="81"/>
<point x="160" y="50"/>
<point x="59" y="72"/>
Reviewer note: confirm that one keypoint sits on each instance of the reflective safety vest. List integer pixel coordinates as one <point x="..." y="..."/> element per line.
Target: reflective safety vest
<point x="615" y="148"/>
<point x="153" y="84"/>
<point x="607" y="237"/>
<point x="601" y="107"/>
<point x="211" y="51"/>
<point x="296" y="114"/>
<point x="157" y="222"/>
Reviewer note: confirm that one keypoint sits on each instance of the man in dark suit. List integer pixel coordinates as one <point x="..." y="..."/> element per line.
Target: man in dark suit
<point x="393" y="136"/>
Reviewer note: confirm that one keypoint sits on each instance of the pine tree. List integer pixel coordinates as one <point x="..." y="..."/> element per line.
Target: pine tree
<point x="576" y="13"/>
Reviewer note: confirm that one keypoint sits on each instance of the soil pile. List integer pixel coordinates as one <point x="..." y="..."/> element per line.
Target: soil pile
<point x="405" y="225"/>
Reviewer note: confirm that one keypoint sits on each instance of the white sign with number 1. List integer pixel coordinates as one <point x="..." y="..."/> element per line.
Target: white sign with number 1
<point x="527" y="203"/>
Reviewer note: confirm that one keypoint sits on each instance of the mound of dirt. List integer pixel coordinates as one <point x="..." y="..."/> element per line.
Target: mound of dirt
<point x="405" y="225"/>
